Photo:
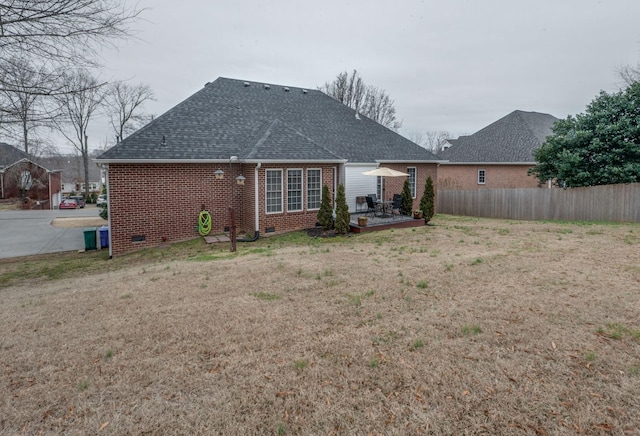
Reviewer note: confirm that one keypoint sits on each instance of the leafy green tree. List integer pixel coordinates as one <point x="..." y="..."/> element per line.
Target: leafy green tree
<point x="325" y="214"/>
<point x="342" y="212"/>
<point x="599" y="147"/>
<point x="427" y="202"/>
<point x="407" y="200"/>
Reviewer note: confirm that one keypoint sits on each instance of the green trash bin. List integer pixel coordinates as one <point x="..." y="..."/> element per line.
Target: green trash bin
<point x="89" y="238"/>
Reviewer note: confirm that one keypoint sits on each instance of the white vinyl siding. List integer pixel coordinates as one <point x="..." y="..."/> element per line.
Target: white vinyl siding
<point x="274" y="191"/>
<point x="294" y="190"/>
<point x="314" y="188"/>
<point x="357" y="184"/>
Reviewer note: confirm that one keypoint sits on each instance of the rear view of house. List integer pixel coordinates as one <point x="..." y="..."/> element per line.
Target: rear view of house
<point x="263" y="150"/>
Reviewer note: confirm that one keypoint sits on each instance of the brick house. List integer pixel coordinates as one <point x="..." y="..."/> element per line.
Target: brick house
<point x="45" y="184"/>
<point x="497" y="156"/>
<point x="285" y="143"/>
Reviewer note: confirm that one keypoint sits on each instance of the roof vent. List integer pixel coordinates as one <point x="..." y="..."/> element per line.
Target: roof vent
<point x="247" y="84"/>
<point x="304" y="91"/>
<point x="164" y="141"/>
<point x="207" y="84"/>
<point x="286" y="89"/>
<point x="267" y="87"/>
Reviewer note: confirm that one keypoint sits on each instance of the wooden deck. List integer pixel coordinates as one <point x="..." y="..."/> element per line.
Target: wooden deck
<point x="375" y="224"/>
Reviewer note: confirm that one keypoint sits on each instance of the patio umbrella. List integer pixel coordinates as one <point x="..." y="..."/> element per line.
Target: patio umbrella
<point x="385" y="172"/>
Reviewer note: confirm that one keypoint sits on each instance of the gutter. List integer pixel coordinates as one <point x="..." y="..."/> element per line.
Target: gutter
<point x="217" y="161"/>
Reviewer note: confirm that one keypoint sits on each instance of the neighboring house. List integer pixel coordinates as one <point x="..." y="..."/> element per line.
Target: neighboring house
<point x="283" y="144"/>
<point x="497" y="156"/>
<point x="18" y="169"/>
<point x="73" y="173"/>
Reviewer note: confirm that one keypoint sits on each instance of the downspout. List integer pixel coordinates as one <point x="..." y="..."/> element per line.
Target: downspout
<point x="110" y="232"/>
<point x="256" y="206"/>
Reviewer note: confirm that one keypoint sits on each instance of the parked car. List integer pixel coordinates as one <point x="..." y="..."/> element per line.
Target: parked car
<point x="79" y="200"/>
<point x="68" y="203"/>
<point x="102" y="200"/>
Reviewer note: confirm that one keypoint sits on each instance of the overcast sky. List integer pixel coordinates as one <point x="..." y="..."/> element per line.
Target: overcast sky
<point x="455" y="65"/>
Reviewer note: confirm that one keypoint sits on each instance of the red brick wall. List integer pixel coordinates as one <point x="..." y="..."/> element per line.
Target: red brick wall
<point x="162" y="201"/>
<point x="465" y="177"/>
<point x="286" y="221"/>
<point x="394" y="185"/>
<point x="40" y="186"/>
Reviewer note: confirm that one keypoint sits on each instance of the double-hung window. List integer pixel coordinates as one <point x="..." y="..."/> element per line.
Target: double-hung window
<point x="314" y="188"/>
<point x="412" y="180"/>
<point x="294" y="190"/>
<point x="274" y="191"/>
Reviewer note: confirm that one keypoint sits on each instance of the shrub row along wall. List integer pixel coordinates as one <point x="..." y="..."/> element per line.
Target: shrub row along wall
<point x="618" y="203"/>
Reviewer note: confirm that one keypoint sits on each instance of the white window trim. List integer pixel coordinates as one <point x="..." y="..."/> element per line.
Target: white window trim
<point x="307" y="185"/>
<point x="301" y="190"/>
<point x="266" y="189"/>
<point x="415" y="180"/>
<point x="484" y="177"/>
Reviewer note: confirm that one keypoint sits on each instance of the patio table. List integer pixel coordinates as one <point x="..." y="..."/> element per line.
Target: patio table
<point x="386" y="206"/>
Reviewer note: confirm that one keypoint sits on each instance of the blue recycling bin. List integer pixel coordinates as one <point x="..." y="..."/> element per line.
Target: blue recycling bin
<point x="104" y="236"/>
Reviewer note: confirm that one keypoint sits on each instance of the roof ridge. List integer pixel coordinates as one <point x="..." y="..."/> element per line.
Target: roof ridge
<point x="276" y="121"/>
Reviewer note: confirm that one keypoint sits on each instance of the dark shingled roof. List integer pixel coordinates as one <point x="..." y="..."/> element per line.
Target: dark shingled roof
<point x="511" y="139"/>
<point x="255" y="121"/>
<point x="10" y="155"/>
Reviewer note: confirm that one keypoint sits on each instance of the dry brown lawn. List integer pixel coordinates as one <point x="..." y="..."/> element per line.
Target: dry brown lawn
<point x="83" y="221"/>
<point x="471" y="326"/>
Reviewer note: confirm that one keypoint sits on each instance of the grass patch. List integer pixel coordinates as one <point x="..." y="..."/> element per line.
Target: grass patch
<point x="266" y="296"/>
<point x="618" y="331"/>
<point x="468" y="330"/>
<point x="477" y="261"/>
<point x="301" y="365"/>
<point x="83" y="385"/>
<point x="417" y="344"/>
<point x="282" y="429"/>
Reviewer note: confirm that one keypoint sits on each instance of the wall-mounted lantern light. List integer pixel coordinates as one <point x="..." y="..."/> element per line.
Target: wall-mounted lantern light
<point x="240" y="179"/>
<point x="219" y="174"/>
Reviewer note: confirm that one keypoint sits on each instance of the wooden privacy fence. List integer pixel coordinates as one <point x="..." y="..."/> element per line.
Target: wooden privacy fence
<point x="618" y="203"/>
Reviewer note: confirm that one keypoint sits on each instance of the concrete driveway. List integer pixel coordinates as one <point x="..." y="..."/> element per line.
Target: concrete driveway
<point x="29" y="232"/>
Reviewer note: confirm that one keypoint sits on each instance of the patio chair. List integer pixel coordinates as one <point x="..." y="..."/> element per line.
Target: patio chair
<point x="372" y="206"/>
<point x="397" y="204"/>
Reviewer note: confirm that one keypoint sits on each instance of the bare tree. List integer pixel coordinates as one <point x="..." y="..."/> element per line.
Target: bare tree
<point x="435" y="140"/>
<point x="25" y="112"/>
<point x="123" y="103"/>
<point x="55" y="35"/>
<point x="629" y="74"/>
<point x="62" y="30"/>
<point x="432" y="140"/>
<point x="81" y="100"/>
<point x="370" y="101"/>
<point x="416" y="137"/>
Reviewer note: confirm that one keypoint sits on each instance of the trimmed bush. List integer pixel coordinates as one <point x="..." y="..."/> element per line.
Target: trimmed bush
<point x="325" y="214"/>
<point x="342" y="212"/>
<point x="427" y="202"/>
